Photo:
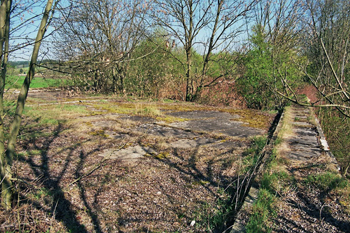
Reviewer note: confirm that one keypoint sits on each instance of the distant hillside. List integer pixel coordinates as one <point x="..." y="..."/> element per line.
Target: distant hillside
<point x="22" y="64"/>
<point x="19" y="64"/>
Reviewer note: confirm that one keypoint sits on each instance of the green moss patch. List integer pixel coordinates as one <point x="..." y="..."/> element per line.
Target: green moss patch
<point x="252" y="118"/>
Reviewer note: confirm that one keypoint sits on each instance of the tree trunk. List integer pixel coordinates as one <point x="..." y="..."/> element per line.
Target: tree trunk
<point x="15" y="125"/>
<point x="5" y="162"/>
<point x="188" y="76"/>
<point x="114" y="81"/>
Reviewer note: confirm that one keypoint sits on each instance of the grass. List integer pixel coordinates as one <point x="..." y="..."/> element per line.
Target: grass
<point x="263" y="210"/>
<point x="328" y="181"/>
<point x="149" y="110"/>
<point x="138" y="109"/>
<point x="227" y="210"/>
<point x="274" y="181"/>
<point x="287" y="129"/>
<point x="252" y="118"/>
<point x="42" y="116"/>
<point x="53" y="115"/>
<point x="332" y="183"/>
<point x="252" y="154"/>
<point x="16" y="82"/>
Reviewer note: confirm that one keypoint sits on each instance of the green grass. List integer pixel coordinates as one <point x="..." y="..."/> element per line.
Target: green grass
<point x="263" y="210"/>
<point x="46" y="115"/>
<point x="328" y="181"/>
<point x="226" y="207"/>
<point x="252" y="154"/>
<point x="16" y="82"/>
<point x="334" y="183"/>
<point x="276" y="181"/>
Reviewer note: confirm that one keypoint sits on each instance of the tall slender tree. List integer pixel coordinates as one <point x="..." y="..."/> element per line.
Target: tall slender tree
<point x="5" y="162"/>
<point x="7" y="153"/>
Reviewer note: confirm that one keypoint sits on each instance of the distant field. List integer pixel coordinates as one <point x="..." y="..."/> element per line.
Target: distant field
<point x="16" y="82"/>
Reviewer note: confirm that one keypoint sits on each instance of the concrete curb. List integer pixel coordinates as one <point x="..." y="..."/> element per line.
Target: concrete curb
<point x="323" y="141"/>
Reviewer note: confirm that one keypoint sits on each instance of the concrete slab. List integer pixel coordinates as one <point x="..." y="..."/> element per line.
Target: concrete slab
<point x="301" y="123"/>
<point x="165" y="131"/>
<point x="130" y="153"/>
<point x="219" y="126"/>
<point x="304" y="155"/>
<point x="309" y="141"/>
<point x="305" y="131"/>
<point x="187" y="143"/>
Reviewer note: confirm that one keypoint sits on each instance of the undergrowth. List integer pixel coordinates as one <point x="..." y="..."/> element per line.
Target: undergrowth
<point x="252" y="155"/>
<point x="264" y="208"/>
<point x="330" y="182"/>
<point x="272" y="182"/>
<point x="226" y="210"/>
<point x="336" y="128"/>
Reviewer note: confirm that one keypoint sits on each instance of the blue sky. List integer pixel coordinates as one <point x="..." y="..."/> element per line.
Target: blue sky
<point x="25" y="22"/>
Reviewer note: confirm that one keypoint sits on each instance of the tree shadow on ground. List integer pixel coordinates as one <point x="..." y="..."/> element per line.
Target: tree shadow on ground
<point x="224" y="219"/>
<point x="61" y="208"/>
<point x="57" y="167"/>
<point x="50" y="179"/>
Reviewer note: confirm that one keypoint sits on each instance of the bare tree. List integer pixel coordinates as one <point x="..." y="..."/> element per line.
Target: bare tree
<point x="97" y="40"/>
<point x="211" y="24"/>
<point x="7" y="154"/>
<point x="325" y="42"/>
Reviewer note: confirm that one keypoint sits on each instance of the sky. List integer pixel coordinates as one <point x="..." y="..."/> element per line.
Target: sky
<point x="25" y="21"/>
<point x="28" y="14"/>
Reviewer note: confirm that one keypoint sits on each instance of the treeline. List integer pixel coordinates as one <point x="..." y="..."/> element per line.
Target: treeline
<point x="182" y="49"/>
<point x="26" y="63"/>
<point x="18" y="63"/>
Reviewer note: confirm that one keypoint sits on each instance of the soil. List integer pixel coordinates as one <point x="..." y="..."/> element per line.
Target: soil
<point x="104" y="171"/>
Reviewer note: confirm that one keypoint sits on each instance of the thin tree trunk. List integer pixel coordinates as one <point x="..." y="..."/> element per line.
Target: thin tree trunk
<point x="14" y="129"/>
<point x="188" y="76"/>
<point x="5" y="163"/>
